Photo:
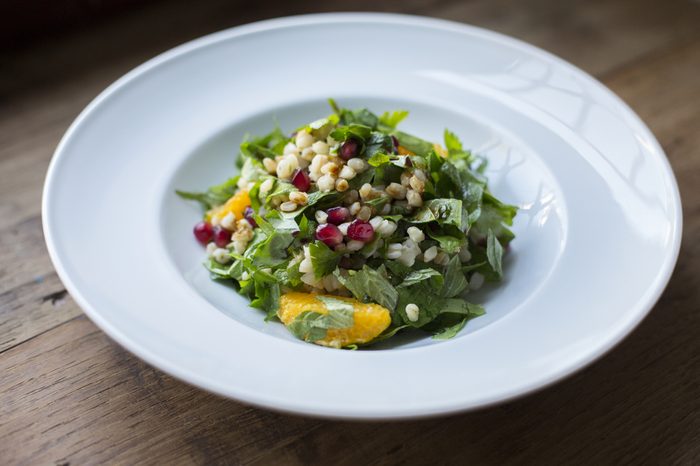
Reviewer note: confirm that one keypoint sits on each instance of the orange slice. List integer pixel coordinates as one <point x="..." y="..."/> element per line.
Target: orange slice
<point x="369" y="319"/>
<point x="235" y="205"/>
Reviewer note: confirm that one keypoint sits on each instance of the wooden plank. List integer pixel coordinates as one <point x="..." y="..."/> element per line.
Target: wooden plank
<point x="72" y="395"/>
<point x="597" y="35"/>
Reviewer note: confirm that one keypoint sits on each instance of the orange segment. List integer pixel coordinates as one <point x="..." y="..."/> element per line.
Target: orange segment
<point x="441" y="151"/>
<point x="236" y="205"/>
<point x="369" y="321"/>
<point x="403" y="151"/>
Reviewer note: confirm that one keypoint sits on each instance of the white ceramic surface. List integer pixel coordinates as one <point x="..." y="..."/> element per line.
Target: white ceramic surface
<point x="597" y="235"/>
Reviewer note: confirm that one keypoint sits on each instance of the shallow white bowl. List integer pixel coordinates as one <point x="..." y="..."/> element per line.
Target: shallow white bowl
<point x="597" y="235"/>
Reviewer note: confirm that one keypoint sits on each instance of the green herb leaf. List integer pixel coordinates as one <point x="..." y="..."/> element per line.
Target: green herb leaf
<point x="341" y="314"/>
<point x="455" y="281"/>
<point x="280" y="188"/>
<point x="414" y="144"/>
<point x="494" y="253"/>
<point x="444" y="211"/>
<point x="392" y="119"/>
<point x="369" y="284"/>
<point x="215" y="195"/>
<point x="378" y="142"/>
<point x="452" y="331"/>
<point x="448" y="243"/>
<point x="418" y="276"/>
<point x="356" y="131"/>
<point x="430" y="305"/>
<point x="378" y="159"/>
<point x="309" y="326"/>
<point x="268" y="249"/>
<point x="335" y="304"/>
<point x="323" y="259"/>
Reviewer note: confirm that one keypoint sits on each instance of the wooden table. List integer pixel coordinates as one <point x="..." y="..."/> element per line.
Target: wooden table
<point x="71" y="395"/>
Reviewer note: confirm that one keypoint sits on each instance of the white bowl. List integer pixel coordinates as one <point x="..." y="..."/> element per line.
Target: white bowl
<point x="598" y="232"/>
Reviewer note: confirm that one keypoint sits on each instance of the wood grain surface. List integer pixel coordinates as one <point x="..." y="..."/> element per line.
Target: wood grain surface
<point x="72" y="396"/>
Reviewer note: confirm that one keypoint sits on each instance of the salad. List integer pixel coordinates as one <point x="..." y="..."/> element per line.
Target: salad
<point x="350" y="230"/>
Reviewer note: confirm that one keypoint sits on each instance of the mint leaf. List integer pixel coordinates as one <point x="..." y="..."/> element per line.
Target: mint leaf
<point x="355" y="131"/>
<point x="309" y="326"/>
<point x="455" y="281"/>
<point x="217" y="271"/>
<point x="417" y="276"/>
<point x="378" y="142"/>
<point x="313" y="326"/>
<point x="494" y="253"/>
<point x="267" y="293"/>
<point x="280" y="223"/>
<point x="393" y="119"/>
<point x="378" y="159"/>
<point x="449" y="244"/>
<point x="451" y="331"/>
<point x="341" y="318"/>
<point x="452" y="142"/>
<point x="280" y="188"/>
<point x="214" y="196"/>
<point x="322" y="127"/>
<point x="454" y="147"/>
<point x="495" y="215"/>
<point x="430" y="305"/>
<point x="323" y="259"/>
<point x="360" y="116"/>
<point x="268" y="248"/>
<point x="369" y="284"/>
<point x="443" y="211"/>
<point x="335" y="304"/>
<point x="412" y="143"/>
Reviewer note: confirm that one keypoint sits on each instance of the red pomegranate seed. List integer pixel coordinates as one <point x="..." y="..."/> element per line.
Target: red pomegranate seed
<point x="349" y="149"/>
<point x="249" y="214"/>
<point x="360" y="230"/>
<point x="395" y="142"/>
<point x="221" y="237"/>
<point x="301" y="180"/>
<point x="204" y="232"/>
<point x="337" y="215"/>
<point x="329" y="234"/>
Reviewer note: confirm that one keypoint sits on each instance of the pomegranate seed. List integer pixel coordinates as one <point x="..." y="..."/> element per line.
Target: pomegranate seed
<point x="360" y="230"/>
<point x="337" y="215"/>
<point x="301" y="180"/>
<point x="221" y="237"/>
<point x="349" y="149"/>
<point x="396" y="144"/>
<point x="329" y="234"/>
<point x="204" y="232"/>
<point x="249" y="214"/>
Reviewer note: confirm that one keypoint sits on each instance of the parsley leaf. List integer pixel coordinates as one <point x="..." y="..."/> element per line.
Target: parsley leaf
<point x="416" y="276"/>
<point x="369" y="284"/>
<point x="309" y="326"/>
<point x="323" y="259"/>
<point x="378" y="142"/>
<point x="444" y="211"/>
<point x="379" y="158"/>
<point x="214" y="196"/>
<point x="494" y="253"/>
<point x="412" y="143"/>
<point x="393" y="119"/>
<point x="341" y="314"/>
<point x="455" y="282"/>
